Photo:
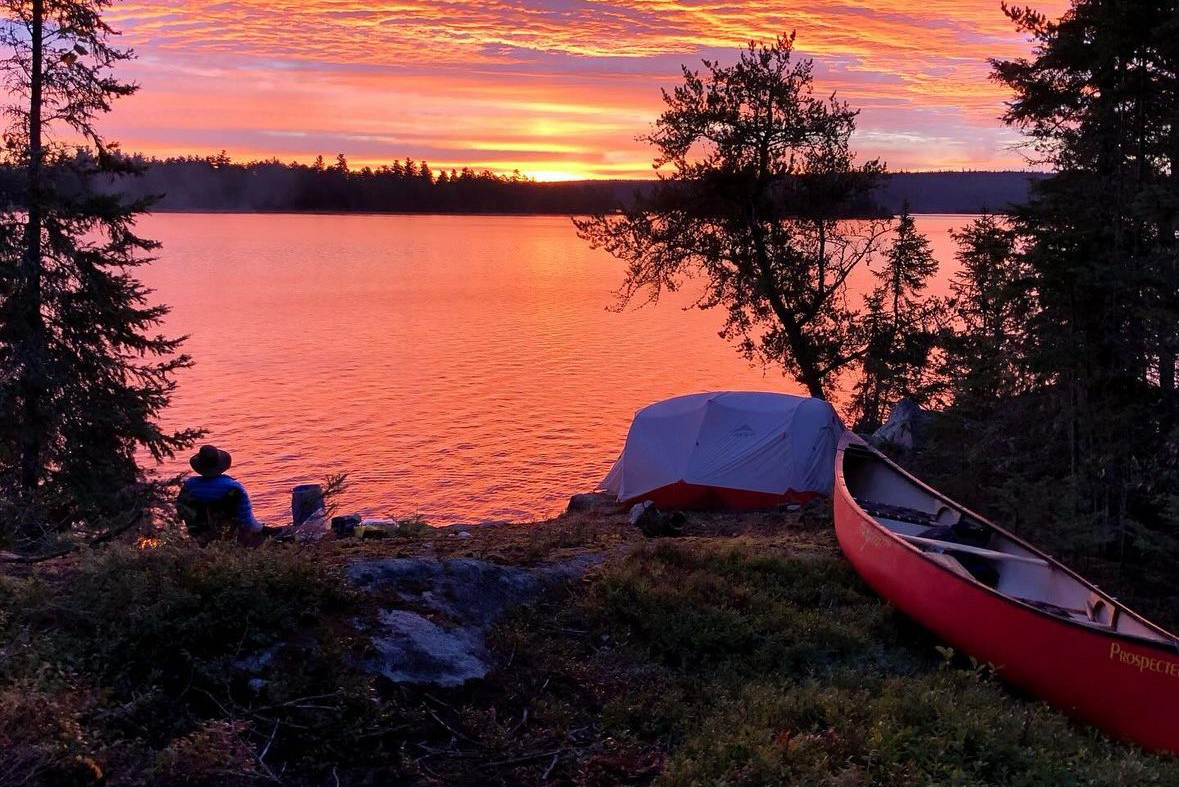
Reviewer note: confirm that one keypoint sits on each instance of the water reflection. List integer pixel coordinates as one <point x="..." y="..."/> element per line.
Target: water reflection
<point x="464" y="368"/>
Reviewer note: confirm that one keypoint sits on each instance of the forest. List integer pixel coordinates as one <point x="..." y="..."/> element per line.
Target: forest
<point x="217" y="183"/>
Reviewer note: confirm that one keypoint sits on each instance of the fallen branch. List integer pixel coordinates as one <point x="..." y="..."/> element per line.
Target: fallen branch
<point x="519" y="724"/>
<point x="446" y="752"/>
<point x="450" y="729"/>
<point x="384" y="731"/>
<point x="300" y="702"/>
<point x="265" y="749"/>
<point x="114" y="533"/>
<point x="9" y="557"/>
<point x="540" y="755"/>
<point x="544" y="776"/>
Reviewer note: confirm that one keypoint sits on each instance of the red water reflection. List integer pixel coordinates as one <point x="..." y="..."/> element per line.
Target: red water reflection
<point x="464" y="368"/>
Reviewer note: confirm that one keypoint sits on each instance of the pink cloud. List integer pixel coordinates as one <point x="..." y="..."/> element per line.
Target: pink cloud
<point x="559" y="87"/>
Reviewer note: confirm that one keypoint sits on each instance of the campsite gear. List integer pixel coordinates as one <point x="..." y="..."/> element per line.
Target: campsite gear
<point x="306" y="500"/>
<point x="210" y="461"/>
<point x="375" y="530"/>
<point x="344" y="526"/>
<point x="374" y="527"/>
<point x="1045" y="629"/>
<point x="654" y="523"/>
<point x="638" y="511"/>
<point x="279" y="532"/>
<point x="729" y="450"/>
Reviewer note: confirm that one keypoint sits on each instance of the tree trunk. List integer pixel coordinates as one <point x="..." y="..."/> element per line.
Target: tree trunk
<point x="1167" y="241"/>
<point x="32" y="382"/>
<point x="809" y="373"/>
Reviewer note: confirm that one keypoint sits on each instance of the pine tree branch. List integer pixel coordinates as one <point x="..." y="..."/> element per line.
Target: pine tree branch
<point x="102" y="538"/>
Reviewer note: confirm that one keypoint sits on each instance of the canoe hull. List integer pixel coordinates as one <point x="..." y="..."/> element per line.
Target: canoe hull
<point x="1125" y="686"/>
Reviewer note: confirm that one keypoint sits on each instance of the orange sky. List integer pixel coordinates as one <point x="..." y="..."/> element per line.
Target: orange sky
<point x="555" y="88"/>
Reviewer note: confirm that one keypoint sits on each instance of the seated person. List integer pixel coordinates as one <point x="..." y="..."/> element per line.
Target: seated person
<point x="213" y="505"/>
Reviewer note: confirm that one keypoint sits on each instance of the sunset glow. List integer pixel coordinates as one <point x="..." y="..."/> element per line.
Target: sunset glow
<point x="558" y="89"/>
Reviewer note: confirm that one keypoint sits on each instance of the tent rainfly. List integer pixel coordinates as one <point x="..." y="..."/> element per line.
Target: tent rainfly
<point x="728" y="450"/>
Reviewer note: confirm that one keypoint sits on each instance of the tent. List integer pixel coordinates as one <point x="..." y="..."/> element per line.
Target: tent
<point x="728" y="450"/>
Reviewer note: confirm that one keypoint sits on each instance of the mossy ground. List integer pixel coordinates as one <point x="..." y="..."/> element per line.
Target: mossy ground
<point x="745" y="653"/>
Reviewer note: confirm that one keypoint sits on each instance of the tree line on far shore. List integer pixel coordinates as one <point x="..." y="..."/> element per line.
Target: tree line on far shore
<point x="217" y="183"/>
<point x="403" y="186"/>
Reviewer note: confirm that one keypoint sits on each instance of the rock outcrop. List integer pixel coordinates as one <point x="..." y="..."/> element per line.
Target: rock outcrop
<point x="436" y="613"/>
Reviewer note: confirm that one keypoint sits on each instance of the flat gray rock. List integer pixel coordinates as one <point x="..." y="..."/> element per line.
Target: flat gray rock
<point x="412" y="649"/>
<point x="434" y="631"/>
<point x="593" y="501"/>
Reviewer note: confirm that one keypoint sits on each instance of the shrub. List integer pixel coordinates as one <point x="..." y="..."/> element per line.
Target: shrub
<point x="214" y="753"/>
<point x="43" y="740"/>
<point x="176" y="664"/>
<point x="179" y="617"/>
<point x="704" y="609"/>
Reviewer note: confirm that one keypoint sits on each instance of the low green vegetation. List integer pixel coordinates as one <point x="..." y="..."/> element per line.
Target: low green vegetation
<point x="745" y="659"/>
<point x="786" y="670"/>
<point x="175" y="665"/>
<point x="734" y="611"/>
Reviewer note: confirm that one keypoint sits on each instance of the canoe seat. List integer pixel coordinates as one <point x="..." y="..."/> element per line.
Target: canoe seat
<point x="950" y="546"/>
<point x="1101" y="611"/>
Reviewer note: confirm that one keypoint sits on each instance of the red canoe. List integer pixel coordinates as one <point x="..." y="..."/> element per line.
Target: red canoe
<point x="1006" y="603"/>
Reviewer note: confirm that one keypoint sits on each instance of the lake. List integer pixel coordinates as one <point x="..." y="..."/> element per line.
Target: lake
<point x="464" y="368"/>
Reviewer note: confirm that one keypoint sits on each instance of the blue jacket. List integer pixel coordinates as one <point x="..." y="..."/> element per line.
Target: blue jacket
<point x="210" y="490"/>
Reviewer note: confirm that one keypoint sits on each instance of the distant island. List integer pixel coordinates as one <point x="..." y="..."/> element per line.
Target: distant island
<point x="218" y="184"/>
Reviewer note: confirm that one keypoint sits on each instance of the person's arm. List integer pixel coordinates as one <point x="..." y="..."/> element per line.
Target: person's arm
<point x="245" y="512"/>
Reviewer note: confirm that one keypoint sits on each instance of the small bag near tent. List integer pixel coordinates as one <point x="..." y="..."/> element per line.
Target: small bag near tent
<point x="730" y="451"/>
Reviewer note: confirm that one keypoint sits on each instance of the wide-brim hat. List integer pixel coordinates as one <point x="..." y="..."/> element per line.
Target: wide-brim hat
<point x="210" y="461"/>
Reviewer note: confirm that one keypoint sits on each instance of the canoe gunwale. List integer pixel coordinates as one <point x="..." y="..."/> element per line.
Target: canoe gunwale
<point x="849" y="440"/>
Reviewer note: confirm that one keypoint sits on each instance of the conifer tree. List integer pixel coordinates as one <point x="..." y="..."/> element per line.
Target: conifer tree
<point x="991" y="305"/>
<point x="761" y="177"/>
<point x="899" y="328"/>
<point x="84" y="372"/>
<point x="1099" y="102"/>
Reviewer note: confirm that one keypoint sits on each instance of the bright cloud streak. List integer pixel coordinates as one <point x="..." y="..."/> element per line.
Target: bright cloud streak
<point x="555" y="88"/>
